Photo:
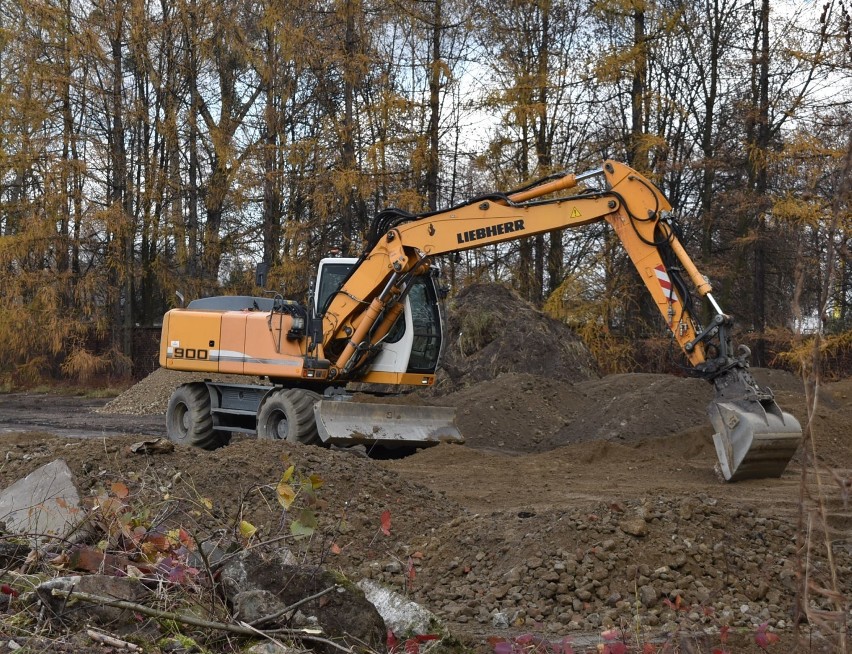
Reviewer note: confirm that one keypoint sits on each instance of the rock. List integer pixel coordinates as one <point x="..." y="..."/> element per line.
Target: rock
<point x="648" y="595"/>
<point x="500" y="621"/>
<point x="12" y="555"/>
<point x="79" y="611"/>
<point x="273" y="648"/>
<point x="343" y="613"/>
<point x="45" y="502"/>
<point x="635" y="526"/>
<point x="402" y="616"/>
<point x="252" y="605"/>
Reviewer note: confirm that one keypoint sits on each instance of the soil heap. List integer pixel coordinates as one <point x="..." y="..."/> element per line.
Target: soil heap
<point x="493" y="331"/>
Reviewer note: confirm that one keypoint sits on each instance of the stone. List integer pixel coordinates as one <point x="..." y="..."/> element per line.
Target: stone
<point x="635" y="526"/>
<point x="252" y="605"/>
<point x="500" y="621"/>
<point x="13" y="555"/>
<point x="648" y="595"/>
<point x="273" y="648"/>
<point x="44" y="503"/>
<point x="401" y="615"/>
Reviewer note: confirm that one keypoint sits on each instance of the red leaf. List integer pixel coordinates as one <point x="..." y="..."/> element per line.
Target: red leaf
<point x="120" y="490"/>
<point x="720" y="651"/>
<point x="610" y="634"/>
<point x="8" y="590"/>
<point x="615" y="648"/>
<point x="412" y="573"/>
<point x="186" y="540"/>
<point x="412" y="647"/>
<point x="723" y="634"/>
<point x="392" y="641"/>
<point x="386" y="522"/>
<point x="649" y="649"/>
<point x="335" y="548"/>
<point x="764" y="638"/>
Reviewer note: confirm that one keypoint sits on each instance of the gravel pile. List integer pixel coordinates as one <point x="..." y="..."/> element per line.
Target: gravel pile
<point x="666" y="563"/>
<point x="151" y="395"/>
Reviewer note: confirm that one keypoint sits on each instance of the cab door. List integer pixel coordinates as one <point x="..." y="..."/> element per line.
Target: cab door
<point x="414" y="343"/>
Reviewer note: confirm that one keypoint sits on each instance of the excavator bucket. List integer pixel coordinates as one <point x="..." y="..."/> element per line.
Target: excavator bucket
<point x="352" y="423"/>
<point x="754" y="438"/>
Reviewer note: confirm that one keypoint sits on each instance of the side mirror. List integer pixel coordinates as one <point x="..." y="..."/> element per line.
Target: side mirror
<point x="260" y="273"/>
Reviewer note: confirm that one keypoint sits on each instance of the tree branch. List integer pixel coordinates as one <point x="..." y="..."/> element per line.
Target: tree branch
<point x="240" y="630"/>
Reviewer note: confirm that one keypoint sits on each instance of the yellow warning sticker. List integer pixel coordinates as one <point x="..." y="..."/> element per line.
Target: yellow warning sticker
<point x="575" y="213"/>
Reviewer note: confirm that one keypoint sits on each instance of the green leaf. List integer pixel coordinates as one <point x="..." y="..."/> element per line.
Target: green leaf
<point x="247" y="529"/>
<point x="305" y="525"/>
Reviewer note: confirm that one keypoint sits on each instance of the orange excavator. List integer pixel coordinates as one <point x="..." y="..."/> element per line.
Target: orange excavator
<point x="376" y="320"/>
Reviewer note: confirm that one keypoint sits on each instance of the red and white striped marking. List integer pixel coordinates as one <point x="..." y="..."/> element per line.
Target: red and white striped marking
<point x="666" y="283"/>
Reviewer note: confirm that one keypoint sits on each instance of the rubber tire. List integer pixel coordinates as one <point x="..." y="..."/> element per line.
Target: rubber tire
<point x="288" y="414"/>
<point x="189" y="420"/>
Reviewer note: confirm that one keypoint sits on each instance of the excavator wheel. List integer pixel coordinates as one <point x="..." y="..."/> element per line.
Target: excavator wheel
<point x="189" y="420"/>
<point x="288" y="414"/>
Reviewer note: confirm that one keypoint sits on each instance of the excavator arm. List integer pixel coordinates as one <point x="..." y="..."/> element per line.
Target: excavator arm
<point x="753" y="439"/>
<point x="632" y="205"/>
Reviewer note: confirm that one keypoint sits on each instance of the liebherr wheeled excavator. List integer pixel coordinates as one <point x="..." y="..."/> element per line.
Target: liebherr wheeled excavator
<point x="376" y="320"/>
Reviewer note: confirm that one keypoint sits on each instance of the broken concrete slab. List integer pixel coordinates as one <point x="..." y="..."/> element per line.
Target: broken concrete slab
<point x="44" y="503"/>
<point x="402" y="616"/>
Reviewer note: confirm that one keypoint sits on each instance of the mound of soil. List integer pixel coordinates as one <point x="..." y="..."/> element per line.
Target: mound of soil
<point x="526" y="413"/>
<point x="151" y="395"/>
<point x="492" y="331"/>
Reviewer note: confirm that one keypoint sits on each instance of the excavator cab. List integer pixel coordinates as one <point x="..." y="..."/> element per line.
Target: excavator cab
<point x="414" y="343"/>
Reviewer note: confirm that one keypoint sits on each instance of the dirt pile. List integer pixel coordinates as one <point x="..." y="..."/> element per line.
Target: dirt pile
<point x="527" y="413"/>
<point x="151" y="395"/>
<point x="492" y="331"/>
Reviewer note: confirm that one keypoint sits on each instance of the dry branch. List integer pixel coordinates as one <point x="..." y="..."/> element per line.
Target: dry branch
<point x="240" y="630"/>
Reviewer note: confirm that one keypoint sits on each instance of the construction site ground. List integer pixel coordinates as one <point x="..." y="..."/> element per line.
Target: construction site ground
<point x="574" y="507"/>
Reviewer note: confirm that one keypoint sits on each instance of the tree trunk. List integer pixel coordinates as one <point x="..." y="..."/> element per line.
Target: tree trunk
<point x="434" y="109"/>
<point x="637" y="155"/>
<point x="351" y="7"/>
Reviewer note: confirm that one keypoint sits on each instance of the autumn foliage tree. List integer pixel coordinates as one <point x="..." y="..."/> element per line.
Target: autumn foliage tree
<point x="149" y="148"/>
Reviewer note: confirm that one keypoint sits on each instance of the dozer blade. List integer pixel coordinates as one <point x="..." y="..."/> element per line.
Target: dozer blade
<point x="754" y="438"/>
<point x="351" y="423"/>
